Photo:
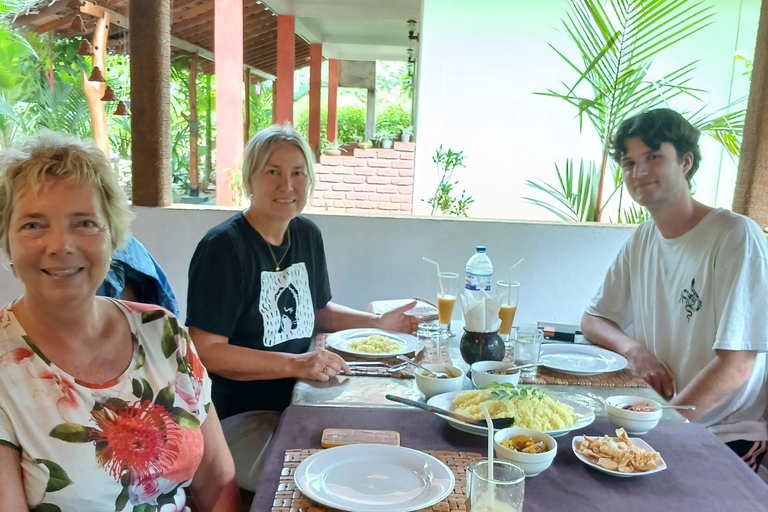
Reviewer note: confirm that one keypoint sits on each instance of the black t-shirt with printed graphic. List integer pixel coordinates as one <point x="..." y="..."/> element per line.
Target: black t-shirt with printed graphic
<point x="234" y="291"/>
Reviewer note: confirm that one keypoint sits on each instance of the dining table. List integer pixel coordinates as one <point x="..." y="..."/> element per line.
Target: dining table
<point x="702" y="473"/>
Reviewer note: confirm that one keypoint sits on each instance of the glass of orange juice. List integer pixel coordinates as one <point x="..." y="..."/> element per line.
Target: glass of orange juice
<point x="446" y="300"/>
<point x="510" y="294"/>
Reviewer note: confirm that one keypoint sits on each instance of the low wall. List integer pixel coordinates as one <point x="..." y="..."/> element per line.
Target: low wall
<point x="368" y="182"/>
<point x="381" y="257"/>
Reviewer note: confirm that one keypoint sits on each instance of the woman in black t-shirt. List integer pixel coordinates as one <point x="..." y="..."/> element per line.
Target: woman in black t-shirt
<point x="258" y="289"/>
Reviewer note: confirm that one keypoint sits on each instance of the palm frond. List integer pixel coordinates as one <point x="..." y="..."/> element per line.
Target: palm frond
<point x="575" y="197"/>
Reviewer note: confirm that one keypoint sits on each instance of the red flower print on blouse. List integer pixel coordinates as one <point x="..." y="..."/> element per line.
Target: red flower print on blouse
<point x="140" y="438"/>
<point x="16" y="356"/>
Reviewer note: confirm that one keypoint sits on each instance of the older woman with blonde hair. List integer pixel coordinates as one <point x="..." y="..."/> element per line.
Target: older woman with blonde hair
<point x="104" y="404"/>
<point x="258" y="290"/>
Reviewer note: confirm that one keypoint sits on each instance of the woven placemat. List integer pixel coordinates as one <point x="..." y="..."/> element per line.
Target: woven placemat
<point x="289" y="498"/>
<point x="427" y="355"/>
<point x="625" y="378"/>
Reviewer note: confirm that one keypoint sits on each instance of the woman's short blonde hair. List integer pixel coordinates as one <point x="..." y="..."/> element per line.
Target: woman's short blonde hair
<point x="260" y="148"/>
<point x="56" y="155"/>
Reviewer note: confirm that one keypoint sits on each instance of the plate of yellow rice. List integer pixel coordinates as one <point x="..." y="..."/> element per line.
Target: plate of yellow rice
<point x="372" y="342"/>
<point x="535" y="410"/>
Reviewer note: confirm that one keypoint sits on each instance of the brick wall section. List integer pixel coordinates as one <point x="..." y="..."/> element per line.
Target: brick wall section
<point x="369" y="181"/>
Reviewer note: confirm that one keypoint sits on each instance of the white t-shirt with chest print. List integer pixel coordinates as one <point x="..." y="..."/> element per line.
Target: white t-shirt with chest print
<point x="687" y="296"/>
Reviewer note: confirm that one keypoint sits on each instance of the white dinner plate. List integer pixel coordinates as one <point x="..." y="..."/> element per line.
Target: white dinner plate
<point x="374" y="478"/>
<point x="636" y="441"/>
<point x="445" y="401"/>
<point x="339" y="341"/>
<point x="581" y="359"/>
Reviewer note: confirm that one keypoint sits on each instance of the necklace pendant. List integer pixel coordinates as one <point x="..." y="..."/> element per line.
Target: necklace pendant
<point x="277" y="268"/>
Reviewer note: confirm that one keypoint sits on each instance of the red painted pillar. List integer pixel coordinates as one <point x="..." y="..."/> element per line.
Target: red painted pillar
<point x="333" y="88"/>
<point x="228" y="47"/>
<point x="315" y="63"/>
<point x="286" y="57"/>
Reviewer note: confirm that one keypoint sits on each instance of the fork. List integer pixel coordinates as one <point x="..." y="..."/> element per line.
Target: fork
<point x="391" y="368"/>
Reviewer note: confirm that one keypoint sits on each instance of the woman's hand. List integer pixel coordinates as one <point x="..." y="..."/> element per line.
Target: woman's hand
<point x="319" y="365"/>
<point x="397" y="320"/>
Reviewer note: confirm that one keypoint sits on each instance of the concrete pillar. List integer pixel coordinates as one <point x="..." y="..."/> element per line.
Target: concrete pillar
<point x="315" y="65"/>
<point x="247" y="122"/>
<point x="370" y="117"/>
<point x="286" y="63"/>
<point x="228" y="46"/>
<point x="751" y="194"/>
<point x="332" y="131"/>
<point x="194" y="129"/>
<point x="150" y="52"/>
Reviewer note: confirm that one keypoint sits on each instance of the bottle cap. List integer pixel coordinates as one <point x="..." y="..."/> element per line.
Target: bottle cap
<point x="480" y="248"/>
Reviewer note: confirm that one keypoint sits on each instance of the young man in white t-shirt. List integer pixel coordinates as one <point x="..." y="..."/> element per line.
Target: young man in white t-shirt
<point x="685" y="299"/>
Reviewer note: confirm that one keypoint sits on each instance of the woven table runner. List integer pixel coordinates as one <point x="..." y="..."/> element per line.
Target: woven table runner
<point x="289" y="498"/>
<point x="625" y="378"/>
<point x="427" y="355"/>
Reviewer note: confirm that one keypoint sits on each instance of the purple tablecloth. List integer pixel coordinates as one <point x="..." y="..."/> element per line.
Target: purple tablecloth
<point x="702" y="473"/>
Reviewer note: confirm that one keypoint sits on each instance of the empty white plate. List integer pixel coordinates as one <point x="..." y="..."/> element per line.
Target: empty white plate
<point x="374" y="478"/>
<point x="581" y="359"/>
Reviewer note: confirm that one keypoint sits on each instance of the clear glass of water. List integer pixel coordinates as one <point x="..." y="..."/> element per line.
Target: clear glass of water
<point x="527" y="349"/>
<point x="501" y="490"/>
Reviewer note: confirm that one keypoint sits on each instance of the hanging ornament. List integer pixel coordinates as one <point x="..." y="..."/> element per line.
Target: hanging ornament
<point x="97" y="75"/>
<point x="109" y="95"/>
<point x="85" y="47"/>
<point x="78" y="25"/>
<point x="122" y="109"/>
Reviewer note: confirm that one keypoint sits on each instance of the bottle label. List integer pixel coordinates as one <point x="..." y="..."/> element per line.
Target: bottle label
<point x="477" y="282"/>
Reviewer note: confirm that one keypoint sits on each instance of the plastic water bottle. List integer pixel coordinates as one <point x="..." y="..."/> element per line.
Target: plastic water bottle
<point x="479" y="271"/>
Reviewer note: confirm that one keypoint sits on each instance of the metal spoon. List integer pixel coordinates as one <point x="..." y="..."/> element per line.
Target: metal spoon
<point x="430" y="373"/>
<point x="504" y="371"/>
<point x="498" y="423"/>
<point x="683" y="407"/>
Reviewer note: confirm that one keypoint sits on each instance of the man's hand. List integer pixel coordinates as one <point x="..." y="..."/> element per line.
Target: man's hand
<point x="319" y="365"/>
<point x="608" y="334"/>
<point x="651" y="370"/>
<point x="397" y="320"/>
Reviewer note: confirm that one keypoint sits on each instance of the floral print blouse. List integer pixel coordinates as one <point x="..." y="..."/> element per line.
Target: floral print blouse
<point x="131" y="444"/>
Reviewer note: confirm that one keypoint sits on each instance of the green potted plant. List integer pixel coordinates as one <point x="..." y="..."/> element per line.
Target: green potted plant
<point x="406" y="132"/>
<point x="333" y="148"/>
<point x="385" y="136"/>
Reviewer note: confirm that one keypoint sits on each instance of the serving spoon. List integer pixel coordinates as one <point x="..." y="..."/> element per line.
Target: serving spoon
<point x="498" y="423"/>
<point x="505" y="371"/>
<point x="430" y="373"/>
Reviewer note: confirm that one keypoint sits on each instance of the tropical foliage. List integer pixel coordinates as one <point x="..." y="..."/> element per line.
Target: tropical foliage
<point x="443" y="199"/>
<point x="616" y="41"/>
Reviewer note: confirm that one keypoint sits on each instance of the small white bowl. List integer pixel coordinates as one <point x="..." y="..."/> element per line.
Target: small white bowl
<point x="532" y="463"/>
<point x="432" y="386"/>
<point x="485" y="380"/>
<point x="634" y="422"/>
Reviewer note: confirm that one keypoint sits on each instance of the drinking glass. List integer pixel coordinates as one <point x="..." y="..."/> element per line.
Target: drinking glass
<point x="446" y="300"/>
<point x="527" y="349"/>
<point x="502" y="493"/>
<point x="510" y="294"/>
<point x="427" y="331"/>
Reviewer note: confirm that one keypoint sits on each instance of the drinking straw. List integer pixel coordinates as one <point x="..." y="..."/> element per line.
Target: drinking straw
<point x="442" y="292"/>
<point x="509" y="289"/>
<point x="489" y="421"/>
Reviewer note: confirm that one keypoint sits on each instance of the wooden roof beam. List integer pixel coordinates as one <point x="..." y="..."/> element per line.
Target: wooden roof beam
<point x="122" y="21"/>
<point x="54" y="9"/>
